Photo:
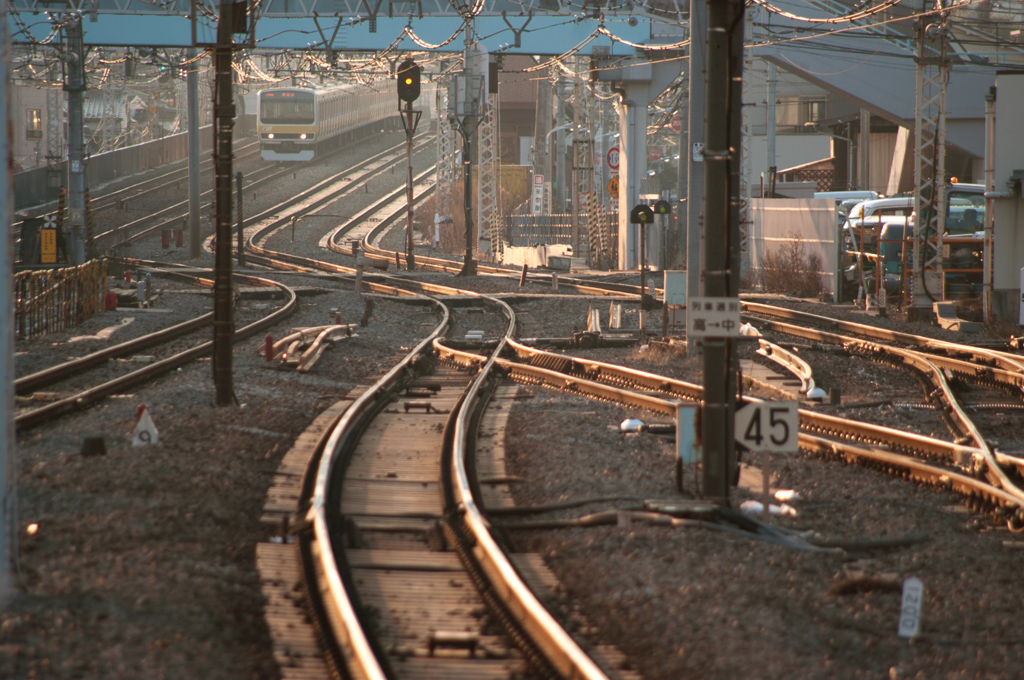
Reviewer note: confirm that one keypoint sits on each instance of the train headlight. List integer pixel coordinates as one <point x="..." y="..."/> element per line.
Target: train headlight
<point x="302" y="136"/>
<point x="270" y="135"/>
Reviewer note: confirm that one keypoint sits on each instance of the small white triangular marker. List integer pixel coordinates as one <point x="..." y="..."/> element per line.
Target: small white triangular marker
<point x="145" y="429"/>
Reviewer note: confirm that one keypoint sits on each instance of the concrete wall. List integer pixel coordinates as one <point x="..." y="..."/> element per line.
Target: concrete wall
<point x="812" y="221"/>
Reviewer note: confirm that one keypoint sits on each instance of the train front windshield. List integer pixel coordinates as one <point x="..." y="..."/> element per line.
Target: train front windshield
<point x="286" y="108"/>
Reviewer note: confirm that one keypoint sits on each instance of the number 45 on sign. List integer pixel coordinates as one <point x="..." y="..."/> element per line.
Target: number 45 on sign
<point x="768" y="426"/>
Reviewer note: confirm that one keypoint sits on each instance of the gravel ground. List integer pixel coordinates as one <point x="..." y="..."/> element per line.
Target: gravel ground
<point x="700" y="603"/>
<point x="141" y="561"/>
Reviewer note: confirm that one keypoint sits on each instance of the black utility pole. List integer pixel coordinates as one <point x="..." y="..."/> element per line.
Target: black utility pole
<point x="75" y="86"/>
<point x="721" y="244"/>
<point x="223" y="123"/>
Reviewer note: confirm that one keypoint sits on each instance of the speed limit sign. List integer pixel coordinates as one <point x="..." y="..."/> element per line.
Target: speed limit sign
<point x="768" y="426"/>
<point x="613" y="158"/>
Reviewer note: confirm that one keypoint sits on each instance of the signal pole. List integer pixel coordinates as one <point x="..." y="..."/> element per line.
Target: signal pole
<point x="409" y="91"/>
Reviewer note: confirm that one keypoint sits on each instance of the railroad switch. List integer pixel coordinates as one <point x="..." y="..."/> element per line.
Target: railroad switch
<point x="451" y="639"/>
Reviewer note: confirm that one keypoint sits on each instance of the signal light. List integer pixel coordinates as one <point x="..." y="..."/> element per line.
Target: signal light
<point x="641" y="214"/>
<point x="408" y="81"/>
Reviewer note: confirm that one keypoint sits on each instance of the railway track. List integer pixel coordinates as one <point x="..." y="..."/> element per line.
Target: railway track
<point x="947" y="465"/>
<point x="121" y="198"/>
<point x="996" y="475"/>
<point x="70" y="399"/>
<point x="392" y="525"/>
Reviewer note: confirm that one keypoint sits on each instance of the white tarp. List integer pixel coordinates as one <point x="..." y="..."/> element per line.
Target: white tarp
<point x="776" y="222"/>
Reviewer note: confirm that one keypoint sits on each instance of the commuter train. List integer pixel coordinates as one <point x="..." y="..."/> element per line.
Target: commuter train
<point x="296" y="123"/>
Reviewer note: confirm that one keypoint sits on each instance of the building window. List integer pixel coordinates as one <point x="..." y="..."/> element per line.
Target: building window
<point x="33" y="124"/>
<point x="797" y="114"/>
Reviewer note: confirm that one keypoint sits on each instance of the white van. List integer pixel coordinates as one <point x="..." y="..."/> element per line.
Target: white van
<point x="901" y="206"/>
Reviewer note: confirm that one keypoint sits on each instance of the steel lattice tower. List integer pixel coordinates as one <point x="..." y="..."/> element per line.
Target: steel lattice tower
<point x="929" y="158"/>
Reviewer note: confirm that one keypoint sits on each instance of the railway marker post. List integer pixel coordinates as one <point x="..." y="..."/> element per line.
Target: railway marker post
<point x="910" y="608"/>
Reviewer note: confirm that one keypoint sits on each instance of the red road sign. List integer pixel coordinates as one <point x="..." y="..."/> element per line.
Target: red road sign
<point x="654" y="154"/>
<point x="613" y="158"/>
<point x="677" y="122"/>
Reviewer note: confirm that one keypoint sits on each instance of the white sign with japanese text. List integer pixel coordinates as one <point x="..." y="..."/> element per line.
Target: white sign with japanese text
<point x="713" y="317"/>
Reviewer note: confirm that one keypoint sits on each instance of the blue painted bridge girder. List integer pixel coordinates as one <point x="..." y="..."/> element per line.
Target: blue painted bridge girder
<point x="541" y="27"/>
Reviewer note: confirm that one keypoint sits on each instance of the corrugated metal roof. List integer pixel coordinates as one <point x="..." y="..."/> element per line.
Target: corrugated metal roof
<point x="99" y="102"/>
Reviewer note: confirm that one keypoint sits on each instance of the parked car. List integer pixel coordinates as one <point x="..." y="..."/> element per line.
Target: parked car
<point x="847" y="195"/>
<point x="899" y="206"/>
<point x="853" y="233"/>
<point x="890" y="249"/>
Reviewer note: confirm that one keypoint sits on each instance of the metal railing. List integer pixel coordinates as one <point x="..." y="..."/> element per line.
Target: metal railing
<point x="51" y="300"/>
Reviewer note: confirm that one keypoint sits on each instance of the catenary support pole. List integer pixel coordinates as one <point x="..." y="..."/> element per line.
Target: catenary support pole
<point x="8" y="469"/>
<point x="466" y="127"/>
<point x="194" y="191"/>
<point x="223" y="123"/>
<point x="75" y="86"/>
<point x="694" y="154"/>
<point x="721" y="243"/>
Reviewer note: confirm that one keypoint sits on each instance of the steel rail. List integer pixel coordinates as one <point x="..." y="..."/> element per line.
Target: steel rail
<point x="993" y="491"/>
<point x="48" y="376"/>
<point x="980" y="373"/>
<point x="790" y="361"/>
<point x="153" y="185"/>
<point x="36" y="416"/>
<point x="344" y="621"/>
<point x="322" y="193"/>
<point x="933" y="366"/>
<point x="810" y="421"/>
<point x="1004" y="360"/>
<point x="274" y="172"/>
<point x="124" y="233"/>
<point x="557" y="647"/>
<point x="161" y="181"/>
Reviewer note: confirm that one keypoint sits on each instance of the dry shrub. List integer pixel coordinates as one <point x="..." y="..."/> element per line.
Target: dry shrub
<point x="789" y="269"/>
